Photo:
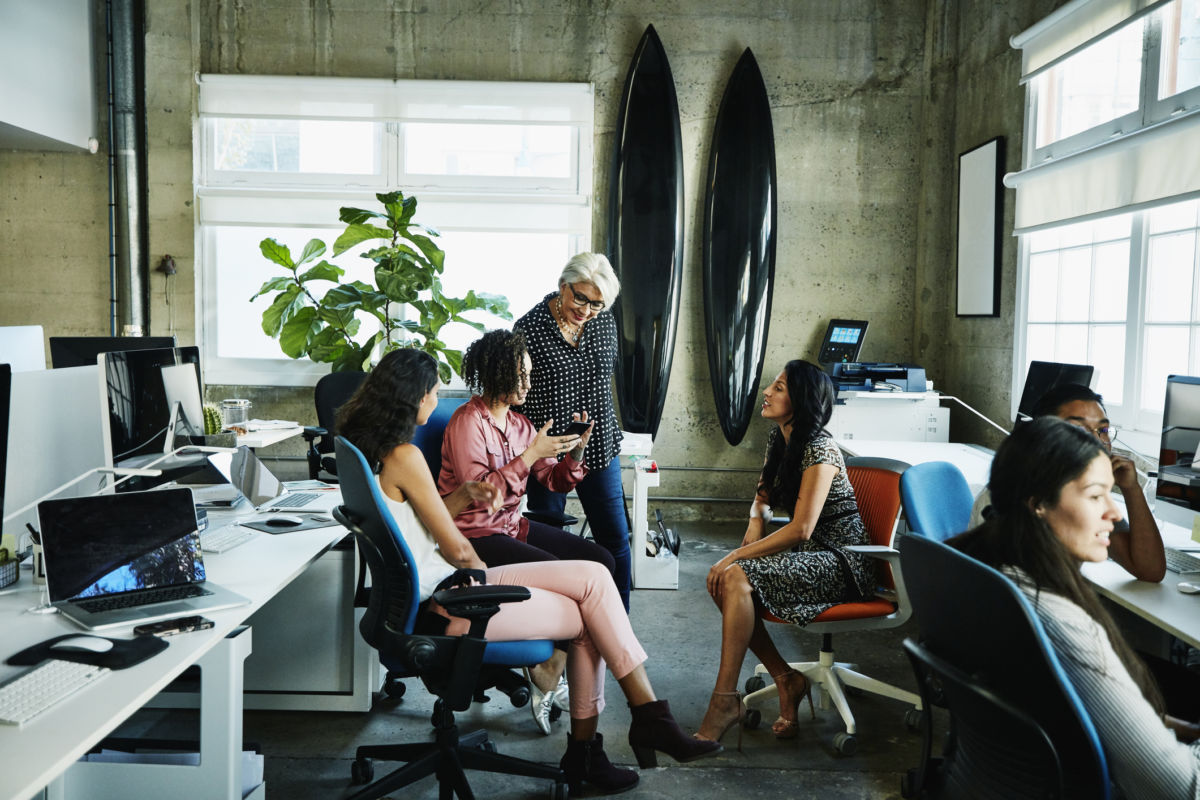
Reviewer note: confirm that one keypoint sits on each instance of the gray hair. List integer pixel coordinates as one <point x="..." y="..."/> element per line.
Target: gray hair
<point x="592" y="268"/>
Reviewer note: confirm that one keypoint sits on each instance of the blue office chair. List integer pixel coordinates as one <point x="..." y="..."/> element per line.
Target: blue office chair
<point x="1017" y="726"/>
<point x="937" y="500"/>
<point x="449" y="666"/>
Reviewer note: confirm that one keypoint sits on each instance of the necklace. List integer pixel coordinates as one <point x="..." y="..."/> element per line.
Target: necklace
<point x="571" y="332"/>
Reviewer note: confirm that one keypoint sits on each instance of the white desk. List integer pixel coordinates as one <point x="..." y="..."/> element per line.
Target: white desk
<point x="973" y="461"/>
<point x="268" y="437"/>
<point x="44" y="751"/>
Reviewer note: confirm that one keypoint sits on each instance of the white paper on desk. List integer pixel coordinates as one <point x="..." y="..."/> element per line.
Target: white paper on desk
<point x="270" y="424"/>
<point x="252" y="763"/>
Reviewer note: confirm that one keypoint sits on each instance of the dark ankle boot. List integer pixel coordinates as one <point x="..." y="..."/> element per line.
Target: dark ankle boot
<point x="653" y="728"/>
<point x="585" y="761"/>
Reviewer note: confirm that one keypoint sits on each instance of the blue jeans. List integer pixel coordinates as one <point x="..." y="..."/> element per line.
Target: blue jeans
<point x="603" y="501"/>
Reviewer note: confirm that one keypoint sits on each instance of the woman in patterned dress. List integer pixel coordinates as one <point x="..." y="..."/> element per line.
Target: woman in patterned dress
<point x="572" y="341"/>
<point x="799" y="570"/>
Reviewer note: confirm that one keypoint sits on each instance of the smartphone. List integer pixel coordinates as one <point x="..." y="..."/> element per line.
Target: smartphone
<point x="576" y="428"/>
<point x="170" y="627"/>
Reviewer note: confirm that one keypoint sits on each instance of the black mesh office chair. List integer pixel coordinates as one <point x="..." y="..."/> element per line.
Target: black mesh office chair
<point x="1017" y="727"/>
<point x="331" y="392"/>
<point x="449" y="666"/>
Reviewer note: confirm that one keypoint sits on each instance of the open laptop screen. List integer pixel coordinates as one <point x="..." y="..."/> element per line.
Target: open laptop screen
<point x="108" y="544"/>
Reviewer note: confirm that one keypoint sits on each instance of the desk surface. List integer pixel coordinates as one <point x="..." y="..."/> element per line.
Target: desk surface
<point x="36" y="753"/>
<point x="267" y="437"/>
<point x="972" y="460"/>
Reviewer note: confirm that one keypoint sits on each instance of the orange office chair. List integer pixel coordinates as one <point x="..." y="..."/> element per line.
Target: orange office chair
<point x="876" y="483"/>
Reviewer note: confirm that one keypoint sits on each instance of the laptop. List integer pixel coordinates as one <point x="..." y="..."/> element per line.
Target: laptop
<point x="128" y="558"/>
<point x="265" y="491"/>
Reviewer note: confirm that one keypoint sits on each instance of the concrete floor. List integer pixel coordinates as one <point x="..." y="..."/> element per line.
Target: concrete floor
<point x="308" y="755"/>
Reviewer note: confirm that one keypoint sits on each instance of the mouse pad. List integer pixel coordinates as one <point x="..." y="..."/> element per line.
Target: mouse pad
<point x="308" y="524"/>
<point x="124" y="652"/>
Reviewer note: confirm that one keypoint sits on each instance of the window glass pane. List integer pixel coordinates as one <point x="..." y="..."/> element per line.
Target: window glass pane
<point x="1108" y="357"/>
<point x="1179" y="66"/>
<point x="1039" y="343"/>
<point x="540" y="151"/>
<point x="1166" y="353"/>
<point x="1109" y="293"/>
<point x="1096" y="85"/>
<point x="1169" y="277"/>
<point x="242" y="268"/>
<point x="524" y="267"/>
<point x="1043" y="288"/>
<point x="1175" y="217"/>
<point x="296" y="146"/>
<point x="1071" y="344"/>
<point x="1075" y="285"/>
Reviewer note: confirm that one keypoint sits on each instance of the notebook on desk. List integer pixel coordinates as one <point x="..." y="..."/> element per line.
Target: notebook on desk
<point x="265" y="491"/>
<point x="126" y="559"/>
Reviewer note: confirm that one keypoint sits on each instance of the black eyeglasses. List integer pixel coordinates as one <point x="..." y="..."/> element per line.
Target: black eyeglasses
<point x="582" y="300"/>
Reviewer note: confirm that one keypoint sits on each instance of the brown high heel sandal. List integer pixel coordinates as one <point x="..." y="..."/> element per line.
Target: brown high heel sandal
<point x="790" y="728"/>
<point x="741" y="712"/>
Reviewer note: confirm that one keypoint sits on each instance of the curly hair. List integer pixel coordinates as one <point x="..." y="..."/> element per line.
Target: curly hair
<point x="382" y="414"/>
<point x="811" y="393"/>
<point x="492" y="366"/>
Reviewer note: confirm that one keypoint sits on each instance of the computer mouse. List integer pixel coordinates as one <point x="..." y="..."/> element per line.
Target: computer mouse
<point x="1187" y="587"/>
<point x="80" y="644"/>
<point x="283" y="521"/>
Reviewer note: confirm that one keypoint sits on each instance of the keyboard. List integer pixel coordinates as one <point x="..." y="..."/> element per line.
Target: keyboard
<point x="218" y="540"/>
<point x="292" y="500"/>
<point x="145" y="597"/>
<point x="36" y="690"/>
<point x="1179" y="561"/>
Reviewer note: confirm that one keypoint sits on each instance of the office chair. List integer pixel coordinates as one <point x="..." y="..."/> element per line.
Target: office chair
<point x="876" y="488"/>
<point x="1017" y="726"/>
<point x="449" y="666"/>
<point x="937" y="500"/>
<point x="330" y="394"/>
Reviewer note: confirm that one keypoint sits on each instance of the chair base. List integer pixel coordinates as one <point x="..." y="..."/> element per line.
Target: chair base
<point x="448" y="757"/>
<point x="831" y="679"/>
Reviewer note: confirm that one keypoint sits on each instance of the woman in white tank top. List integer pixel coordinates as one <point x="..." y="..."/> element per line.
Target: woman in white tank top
<point x="573" y="601"/>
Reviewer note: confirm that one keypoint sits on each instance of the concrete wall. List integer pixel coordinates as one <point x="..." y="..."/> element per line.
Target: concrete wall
<point x="872" y="102"/>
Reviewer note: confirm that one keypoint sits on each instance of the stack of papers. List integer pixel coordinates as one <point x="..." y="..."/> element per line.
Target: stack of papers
<point x="270" y="424"/>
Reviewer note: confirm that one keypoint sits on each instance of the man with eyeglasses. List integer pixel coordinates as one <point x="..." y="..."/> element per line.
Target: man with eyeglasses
<point x="1136" y="543"/>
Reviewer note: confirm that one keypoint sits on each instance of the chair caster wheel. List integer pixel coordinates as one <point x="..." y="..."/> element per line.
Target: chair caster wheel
<point x="519" y="697"/>
<point x="487" y="746"/>
<point x="362" y="771"/>
<point x="914" y="720"/>
<point x="845" y="744"/>
<point x="560" y="791"/>
<point x="752" y="719"/>
<point x="754" y="683"/>
<point x="394" y="688"/>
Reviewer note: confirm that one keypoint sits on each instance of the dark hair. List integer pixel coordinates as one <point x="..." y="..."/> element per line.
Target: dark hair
<point x="492" y="364"/>
<point x="382" y="414"/>
<point x="811" y="393"/>
<point x="1029" y="471"/>
<point x="1058" y="396"/>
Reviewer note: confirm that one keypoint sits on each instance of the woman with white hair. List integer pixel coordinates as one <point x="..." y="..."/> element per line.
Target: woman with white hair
<point x="572" y="341"/>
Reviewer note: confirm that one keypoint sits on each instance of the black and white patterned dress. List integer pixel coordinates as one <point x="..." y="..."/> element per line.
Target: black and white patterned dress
<point x="567" y="380"/>
<point x="798" y="585"/>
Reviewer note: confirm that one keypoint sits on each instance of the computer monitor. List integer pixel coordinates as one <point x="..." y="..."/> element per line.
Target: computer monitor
<point x="1177" y="494"/>
<point x="843" y="341"/>
<point x="5" y="402"/>
<point x="150" y="400"/>
<point x="82" y="351"/>
<point x="1044" y="376"/>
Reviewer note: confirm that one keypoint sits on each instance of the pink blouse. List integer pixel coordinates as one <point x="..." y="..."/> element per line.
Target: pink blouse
<point x="475" y="449"/>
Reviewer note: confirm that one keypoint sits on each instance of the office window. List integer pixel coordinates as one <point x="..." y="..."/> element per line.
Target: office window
<point x="1179" y="65"/>
<point x="501" y="170"/>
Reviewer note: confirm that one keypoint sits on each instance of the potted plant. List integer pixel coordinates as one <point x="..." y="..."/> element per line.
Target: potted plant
<point x="407" y="268"/>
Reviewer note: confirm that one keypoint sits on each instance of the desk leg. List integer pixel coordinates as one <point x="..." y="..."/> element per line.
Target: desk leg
<point x="219" y="774"/>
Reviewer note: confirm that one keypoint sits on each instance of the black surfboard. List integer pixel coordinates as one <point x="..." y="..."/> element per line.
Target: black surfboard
<point x="739" y="245"/>
<point x="645" y="233"/>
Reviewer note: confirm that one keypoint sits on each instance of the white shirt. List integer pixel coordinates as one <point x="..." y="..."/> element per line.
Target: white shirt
<point x="432" y="566"/>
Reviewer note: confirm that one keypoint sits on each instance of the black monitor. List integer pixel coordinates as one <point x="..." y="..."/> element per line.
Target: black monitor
<point x="1178" y="491"/>
<point x="151" y="395"/>
<point x="1044" y="376"/>
<point x="82" y="351"/>
<point x="843" y="341"/>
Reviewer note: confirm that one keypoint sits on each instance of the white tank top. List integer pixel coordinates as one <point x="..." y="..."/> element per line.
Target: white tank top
<point x="432" y="566"/>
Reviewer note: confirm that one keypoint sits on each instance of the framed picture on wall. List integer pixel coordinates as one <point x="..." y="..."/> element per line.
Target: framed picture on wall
<point x="980" y="218"/>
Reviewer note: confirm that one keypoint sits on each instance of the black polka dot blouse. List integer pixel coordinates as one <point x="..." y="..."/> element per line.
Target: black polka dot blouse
<point x="568" y="380"/>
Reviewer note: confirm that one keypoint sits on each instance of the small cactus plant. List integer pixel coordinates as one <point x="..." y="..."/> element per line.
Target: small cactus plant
<point x="212" y="420"/>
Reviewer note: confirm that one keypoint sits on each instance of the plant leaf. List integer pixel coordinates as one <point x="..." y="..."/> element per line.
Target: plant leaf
<point x="314" y="249"/>
<point x="358" y="233"/>
<point x="434" y="254"/>
<point x="273" y="285"/>
<point x="274" y="251"/>
<point x="355" y="216"/>
<point x="323" y="272"/>
<point x="279" y="311"/>
<point x="298" y="331"/>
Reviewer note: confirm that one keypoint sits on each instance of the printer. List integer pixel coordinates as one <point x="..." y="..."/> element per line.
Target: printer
<point x="875" y="376"/>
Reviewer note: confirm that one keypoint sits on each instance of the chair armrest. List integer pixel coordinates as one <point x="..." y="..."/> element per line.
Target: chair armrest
<point x="882" y="552"/>
<point x="478" y="603"/>
<point x="311" y="432"/>
<point x="551" y="518"/>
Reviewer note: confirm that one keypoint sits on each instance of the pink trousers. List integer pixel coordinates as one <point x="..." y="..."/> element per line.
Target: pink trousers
<point x="574" y="601"/>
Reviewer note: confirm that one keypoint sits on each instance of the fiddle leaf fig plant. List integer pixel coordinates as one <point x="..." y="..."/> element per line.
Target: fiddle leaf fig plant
<point x="325" y="327"/>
